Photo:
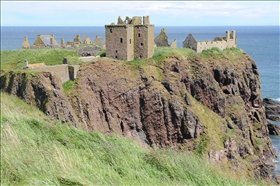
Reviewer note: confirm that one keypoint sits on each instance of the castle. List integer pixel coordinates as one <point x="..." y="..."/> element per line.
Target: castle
<point x="220" y="42"/>
<point x="130" y="38"/>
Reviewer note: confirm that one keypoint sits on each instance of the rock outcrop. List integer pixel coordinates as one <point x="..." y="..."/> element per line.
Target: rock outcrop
<point x="273" y="129"/>
<point x="210" y="105"/>
<point x="272" y="109"/>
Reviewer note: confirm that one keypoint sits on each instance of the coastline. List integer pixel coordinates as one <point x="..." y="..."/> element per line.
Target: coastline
<point x="246" y="42"/>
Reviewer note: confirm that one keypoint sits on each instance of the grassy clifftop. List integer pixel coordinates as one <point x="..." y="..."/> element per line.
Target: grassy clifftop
<point x="14" y="59"/>
<point x="37" y="151"/>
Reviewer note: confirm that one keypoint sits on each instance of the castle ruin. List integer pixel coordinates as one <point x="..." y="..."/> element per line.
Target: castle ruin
<point x="64" y="71"/>
<point x="48" y="41"/>
<point x="220" y="42"/>
<point x="130" y="38"/>
<point x="162" y="40"/>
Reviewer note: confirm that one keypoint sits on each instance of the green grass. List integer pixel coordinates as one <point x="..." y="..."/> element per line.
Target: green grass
<point x="68" y="85"/>
<point x="14" y="59"/>
<point x="161" y="53"/>
<point x="232" y="54"/>
<point x="38" y="151"/>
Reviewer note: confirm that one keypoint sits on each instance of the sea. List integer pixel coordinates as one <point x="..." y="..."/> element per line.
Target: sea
<point x="260" y="42"/>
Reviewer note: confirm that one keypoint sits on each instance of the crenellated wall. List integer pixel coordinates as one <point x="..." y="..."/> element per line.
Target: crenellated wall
<point x="222" y="43"/>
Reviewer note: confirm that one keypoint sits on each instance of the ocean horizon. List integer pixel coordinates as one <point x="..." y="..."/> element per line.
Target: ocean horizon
<point x="260" y="42"/>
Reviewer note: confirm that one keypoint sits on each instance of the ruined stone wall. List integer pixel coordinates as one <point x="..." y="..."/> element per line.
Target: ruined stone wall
<point x="25" y="44"/>
<point x="221" y="43"/>
<point x="118" y="39"/>
<point x="162" y="39"/>
<point x="73" y="69"/>
<point x="92" y="50"/>
<point x="174" y="44"/>
<point x="38" y="42"/>
<point x="204" y="45"/>
<point x="190" y="42"/>
<point x="60" y="70"/>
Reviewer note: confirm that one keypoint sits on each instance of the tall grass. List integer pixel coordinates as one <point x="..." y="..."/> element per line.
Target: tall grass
<point x="38" y="151"/>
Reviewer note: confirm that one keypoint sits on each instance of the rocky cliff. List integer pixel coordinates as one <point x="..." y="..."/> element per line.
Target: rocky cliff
<point x="210" y="104"/>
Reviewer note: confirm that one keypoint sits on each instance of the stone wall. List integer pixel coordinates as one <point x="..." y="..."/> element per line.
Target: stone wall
<point x="65" y="72"/>
<point x="143" y="45"/>
<point x="162" y="39"/>
<point x="174" y="44"/>
<point x="222" y="43"/>
<point x="73" y="69"/>
<point x="130" y="39"/>
<point x="119" y="42"/>
<point x="92" y="50"/>
<point x="25" y="44"/>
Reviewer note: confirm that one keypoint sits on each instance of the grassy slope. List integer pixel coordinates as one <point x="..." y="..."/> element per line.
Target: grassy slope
<point x="37" y="151"/>
<point x="14" y="59"/>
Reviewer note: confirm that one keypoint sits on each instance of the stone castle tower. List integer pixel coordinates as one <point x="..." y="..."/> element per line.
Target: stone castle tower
<point x="130" y="39"/>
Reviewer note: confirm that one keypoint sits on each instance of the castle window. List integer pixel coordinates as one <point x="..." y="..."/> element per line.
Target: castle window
<point x="111" y="31"/>
<point x="139" y="35"/>
<point x="129" y="41"/>
<point x="116" y="57"/>
<point x="121" y="40"/>
<point x="142" y="44"/>
<point x="116" y="51"/>
<point x="140" y="56"/>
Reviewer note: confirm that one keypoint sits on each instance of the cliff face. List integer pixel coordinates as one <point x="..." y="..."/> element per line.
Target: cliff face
<point x="212" y="105"/>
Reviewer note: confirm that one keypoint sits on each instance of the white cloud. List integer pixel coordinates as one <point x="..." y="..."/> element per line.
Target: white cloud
<point x="107" y="12"/>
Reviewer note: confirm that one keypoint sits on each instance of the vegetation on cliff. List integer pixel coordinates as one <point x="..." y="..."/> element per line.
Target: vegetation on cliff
<point x="38" y="151"/>
<point x="207" y="103"/>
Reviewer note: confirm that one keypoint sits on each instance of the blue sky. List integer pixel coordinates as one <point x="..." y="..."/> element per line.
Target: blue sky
<point x="162" y="13"/>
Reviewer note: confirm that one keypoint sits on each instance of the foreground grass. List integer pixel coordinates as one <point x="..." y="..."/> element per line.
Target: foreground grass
<point x="37" y="151"/>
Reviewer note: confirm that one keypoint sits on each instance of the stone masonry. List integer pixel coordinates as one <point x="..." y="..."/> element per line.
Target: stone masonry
<point x="130" y="39"/>
<point x="220" y="42"/>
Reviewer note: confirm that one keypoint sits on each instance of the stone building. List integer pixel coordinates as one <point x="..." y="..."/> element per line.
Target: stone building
<point x="220" y="42"/>
<point x="43" y="41"/>
<point x="130" y="39"/>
